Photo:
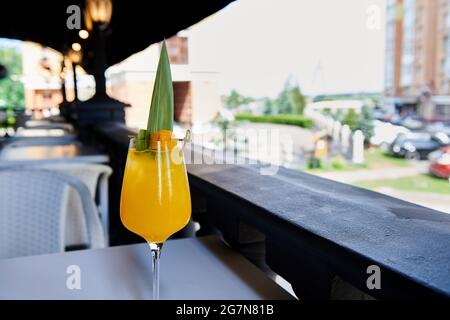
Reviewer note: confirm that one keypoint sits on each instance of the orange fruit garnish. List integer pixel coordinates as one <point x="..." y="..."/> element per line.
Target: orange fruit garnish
<point x="165" y="138"/>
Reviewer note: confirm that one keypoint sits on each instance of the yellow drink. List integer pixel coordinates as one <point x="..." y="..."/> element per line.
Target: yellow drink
<point x="155" y="201"/>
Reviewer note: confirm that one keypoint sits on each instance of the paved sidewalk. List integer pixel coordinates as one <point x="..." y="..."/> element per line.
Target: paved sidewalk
<point x="430" y="200"/>
<point x="376" y="174"/>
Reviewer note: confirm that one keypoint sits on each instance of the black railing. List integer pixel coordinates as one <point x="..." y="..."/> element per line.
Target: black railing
<point x="321" y="236"/>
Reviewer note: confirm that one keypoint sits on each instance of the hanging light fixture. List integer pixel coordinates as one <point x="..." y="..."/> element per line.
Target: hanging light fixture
<point x="74" y="54"/>
<point x="87" y="20"/>
<point x="99" y="11"/>
<point x="84" y="34"/>
<point x="76" y="46"/>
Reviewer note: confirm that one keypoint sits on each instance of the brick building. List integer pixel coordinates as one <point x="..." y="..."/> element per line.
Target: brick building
<point x="196" y="95"/>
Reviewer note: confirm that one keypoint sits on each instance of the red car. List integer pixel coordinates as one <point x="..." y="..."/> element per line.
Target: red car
<point x="440" y="163"/>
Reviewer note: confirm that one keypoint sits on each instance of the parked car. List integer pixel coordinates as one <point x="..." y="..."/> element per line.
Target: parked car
<point x="440" y="163"/>
<point x="382" y="114"/>
<point x="412" y="123"/>
<point x="384" y="133"/>
<point x="438" y="127"/>
<point x="418" y="145"/>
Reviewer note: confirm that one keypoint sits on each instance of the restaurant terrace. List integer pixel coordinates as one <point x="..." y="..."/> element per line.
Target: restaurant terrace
<point x="290" y="235"/>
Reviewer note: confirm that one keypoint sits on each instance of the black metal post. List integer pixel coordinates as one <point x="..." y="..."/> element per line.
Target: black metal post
<point x="63" y="90"/>
<point x="75" y="89"/>
<point x="63" y="83"/>
<point x="100" y="63"/>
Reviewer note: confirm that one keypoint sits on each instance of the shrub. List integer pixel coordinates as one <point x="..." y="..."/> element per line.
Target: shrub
<point x="351" y="119"/>
<point x="292" y="119"/>
<point x="338" y="163"/>
<point x="314" y="163"/>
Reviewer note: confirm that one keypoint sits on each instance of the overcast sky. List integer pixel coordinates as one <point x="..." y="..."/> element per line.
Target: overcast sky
<point x="324" y="45"/>
<point x="328" y="46"/>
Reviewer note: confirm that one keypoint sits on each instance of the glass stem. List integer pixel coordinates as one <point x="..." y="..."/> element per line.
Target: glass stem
<point x="155" y="247"/>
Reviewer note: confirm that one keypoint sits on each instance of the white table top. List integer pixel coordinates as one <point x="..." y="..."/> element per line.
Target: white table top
<point x="71" y="152"/>
<point x="195" y="268"/>
<point x="40" y="132"/>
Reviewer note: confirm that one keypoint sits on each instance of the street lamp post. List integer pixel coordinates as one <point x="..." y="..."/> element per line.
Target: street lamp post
<point x="100" y="107"/>
<point x="100" y="65"/>
<point x="75" y="56"/>
<point x="62" y="78"/>
<point x="99" y="13"/>
<point x="75" y="87"/>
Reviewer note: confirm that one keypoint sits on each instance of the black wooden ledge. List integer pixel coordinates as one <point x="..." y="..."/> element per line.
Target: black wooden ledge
<point x="314" y="232"/>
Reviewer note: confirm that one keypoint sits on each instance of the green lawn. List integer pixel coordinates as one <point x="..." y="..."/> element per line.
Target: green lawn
<point x="421" y="183"/>
<point x="374" y="159"/>
<point x="291" y="119"/>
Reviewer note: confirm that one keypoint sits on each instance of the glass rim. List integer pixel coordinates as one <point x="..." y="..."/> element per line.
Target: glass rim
<point x="186" y="139"/>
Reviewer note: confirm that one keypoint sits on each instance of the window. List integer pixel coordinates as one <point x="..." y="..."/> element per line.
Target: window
<point x="47" y="95"/>
<point x="177" y="48"/>
<point x="408" y="42"/>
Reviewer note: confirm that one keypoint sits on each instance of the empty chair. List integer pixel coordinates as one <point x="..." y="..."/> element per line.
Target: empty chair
<point x="95" y="177"/>
<point x="34" y="209"/>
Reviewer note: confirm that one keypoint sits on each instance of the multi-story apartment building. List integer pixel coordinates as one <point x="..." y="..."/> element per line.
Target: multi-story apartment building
<point x="443" y="48"/>
<point x="417" y="70"/>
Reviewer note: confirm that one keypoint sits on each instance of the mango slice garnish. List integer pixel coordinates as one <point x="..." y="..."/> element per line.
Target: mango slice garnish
<point x="165" y="138"/>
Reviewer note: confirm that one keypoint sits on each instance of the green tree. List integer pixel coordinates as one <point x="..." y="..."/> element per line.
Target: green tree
<point x="365" y="122"/>
<point x="290" y="100"/>
<point x="235" y="100"/>
<point x="283" y="101"/>
<point x="297" y="100"/>
<point x="351" y="119"/>
<point x="221" y="122"/>
<point x="11" y="89"/>
<point x="268" y="106"/>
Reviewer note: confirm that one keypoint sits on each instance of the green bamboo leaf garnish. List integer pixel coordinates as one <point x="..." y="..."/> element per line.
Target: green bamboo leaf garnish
<point x="162" y="105"/>
<point x="141" y="140"/>
<point x="161" y="108"/>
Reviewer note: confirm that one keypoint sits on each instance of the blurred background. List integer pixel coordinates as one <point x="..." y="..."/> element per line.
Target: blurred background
<point x="362" y="88"/>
